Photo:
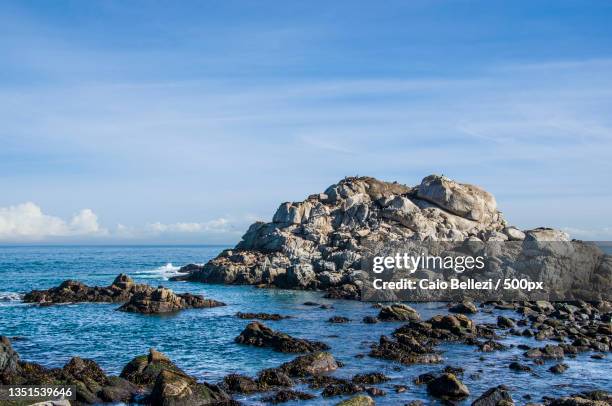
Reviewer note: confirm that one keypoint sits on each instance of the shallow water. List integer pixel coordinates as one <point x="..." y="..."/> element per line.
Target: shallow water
<point x="201" y="341"/>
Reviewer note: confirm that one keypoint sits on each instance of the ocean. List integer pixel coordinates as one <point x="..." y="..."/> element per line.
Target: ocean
<point x="201" y="341"/>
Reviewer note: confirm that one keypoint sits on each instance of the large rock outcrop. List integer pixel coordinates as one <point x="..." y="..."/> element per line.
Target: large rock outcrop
<point x="318" y="243"/>
<point x="259" y="335"/>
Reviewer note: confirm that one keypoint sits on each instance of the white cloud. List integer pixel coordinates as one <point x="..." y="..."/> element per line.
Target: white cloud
<point x="220" y="225"/>
<point x="27" y="222"/>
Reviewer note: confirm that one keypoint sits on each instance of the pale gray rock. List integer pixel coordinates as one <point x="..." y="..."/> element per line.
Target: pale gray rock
<point x="514" y="234"/>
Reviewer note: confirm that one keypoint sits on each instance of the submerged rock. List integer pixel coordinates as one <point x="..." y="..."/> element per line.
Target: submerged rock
<point x="259" y="335"/>
<point x="163" y="300"/>
<point x="498" y="396"/>
<point x="261" y="316"/>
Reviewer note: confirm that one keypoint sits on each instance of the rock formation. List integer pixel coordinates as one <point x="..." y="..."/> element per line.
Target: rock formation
<point x="70" y="291"/>
<point x="319" y="243"/>
<point x="259" y="335"/>
<point x="163" y="300"/>
<point x="138" y="298"/>
<point x="92" y="384"/>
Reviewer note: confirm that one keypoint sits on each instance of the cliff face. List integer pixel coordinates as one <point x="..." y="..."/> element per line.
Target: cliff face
<point x="318" y="243"/>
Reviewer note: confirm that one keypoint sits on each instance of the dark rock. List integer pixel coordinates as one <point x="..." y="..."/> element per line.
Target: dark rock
<point x="338" y="319"/>
<point x="370" y="320"/>
<point x="505" y="322"/>
<point x="515" y="366"/>
<point x="398" y="312"/>
<point x="558" y="368"/>
<point x="163" y="300"/>
<point x="144" y="369"/>
<point x="275" y="377"/>
<point x="311" y="364"/>
<point x="424" y="378"/>
<point x="372" y="391"/>
<point x="341" y="387"/>
<point x="70" y="291"/>
<point x="235" y="383"/>
<point x="370" y="378"/>
<point x="465" y="307"/>
<point x="498" y="396"/>
<point x="286" y="395"/>
<point x="448" y="387"/>
<point x="547" y="352"/>
<point x="259" y="335"/>
<point x="261" y="316"/>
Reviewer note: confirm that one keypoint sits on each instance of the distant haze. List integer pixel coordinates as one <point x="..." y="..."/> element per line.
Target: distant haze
<point x="183" y="122"/>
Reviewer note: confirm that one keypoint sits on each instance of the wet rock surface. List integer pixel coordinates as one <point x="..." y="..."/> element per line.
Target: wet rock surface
<point x="70" y="291"/>
<point x="259" y="335"/>
<point x="261" y="316"/>
<point x="163" y="300"/>
<point x="448" y="387"/>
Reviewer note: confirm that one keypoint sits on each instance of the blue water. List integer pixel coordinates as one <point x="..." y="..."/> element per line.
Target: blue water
<point x="201" y="341"/>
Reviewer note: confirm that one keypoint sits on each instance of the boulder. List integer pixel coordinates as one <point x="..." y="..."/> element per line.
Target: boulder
<point x="447" y="387"/>
<point x="286" y="395"/>
<point x="259" y="335"/>
<point x="398" y="312"/>
<point x="464" y="200"/>
<point x="465" y="307"/>
<point x="9" y="359"/>
<point x="174" y="388"/>
<point x="359" y="400"/>
<point x="311" y="364"/>
<point x="497" y="396"/>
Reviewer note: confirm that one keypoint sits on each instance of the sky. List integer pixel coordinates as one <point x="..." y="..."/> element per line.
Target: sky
<point x="184" y="122"/>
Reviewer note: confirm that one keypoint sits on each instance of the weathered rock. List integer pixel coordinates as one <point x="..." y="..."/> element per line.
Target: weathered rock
<point x="370" y="320"/>
<point x="318" y="243"/>
<point x="311" y="364"/>
<point x="464" y="200"/>
<point x="163" y="300"/>
<point x="144" y="369"/>
<point x="9" y="359"/>
<point x="593" y="398"/>
<point x="92" y="384"/>
<point x="448" y="387"/>
<point x="398" y="312"/>
<point x="505" y="322"/>
<point x="465" y="307"/>
<point x="275" y="377"/>
<point x="516" y="366"/>
<point x="174" y="388"/>
<point x="240" y="384"/>
<point x="498" y="396"/>
<point x="259" y="335"/>
<point x="359" y="400"/>
<point x="558" y="368"/>
<point x="370" y="378"/>
<point x="70" y="291"/>
<point x="287" y="395"/>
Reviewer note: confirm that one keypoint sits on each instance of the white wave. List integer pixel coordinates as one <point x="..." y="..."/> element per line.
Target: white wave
<point x="10" y="297"/>
<point x="164" y="272"/>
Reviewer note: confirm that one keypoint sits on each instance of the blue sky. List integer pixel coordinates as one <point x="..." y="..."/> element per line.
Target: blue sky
<point x="185" y="121"/>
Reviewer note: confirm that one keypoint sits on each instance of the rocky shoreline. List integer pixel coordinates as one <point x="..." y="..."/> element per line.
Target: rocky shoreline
<point x="153" y="379"/>
<point x="318" y="244"/>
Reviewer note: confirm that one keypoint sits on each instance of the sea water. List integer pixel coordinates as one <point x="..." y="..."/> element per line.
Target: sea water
<point x="201" y="341"/>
